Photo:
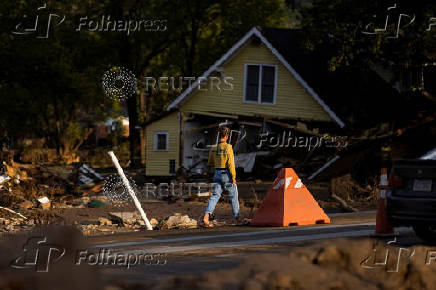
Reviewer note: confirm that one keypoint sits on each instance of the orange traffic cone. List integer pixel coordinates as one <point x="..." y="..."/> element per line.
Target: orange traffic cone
<point x="382" y="226"/>
<point x="289" y="202"/>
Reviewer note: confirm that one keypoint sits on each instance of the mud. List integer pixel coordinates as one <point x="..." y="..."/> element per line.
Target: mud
<point x="337" y="264"/>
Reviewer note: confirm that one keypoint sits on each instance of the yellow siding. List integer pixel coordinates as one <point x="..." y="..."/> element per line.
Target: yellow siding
<point x="158" y="162"/>
<point x="292" y="100"/>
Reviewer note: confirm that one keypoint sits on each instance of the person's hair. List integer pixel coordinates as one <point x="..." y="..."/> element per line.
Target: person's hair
<point x="223" y="132"/>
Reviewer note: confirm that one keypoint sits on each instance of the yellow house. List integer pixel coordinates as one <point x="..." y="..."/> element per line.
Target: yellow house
<point x="250" y="86"/>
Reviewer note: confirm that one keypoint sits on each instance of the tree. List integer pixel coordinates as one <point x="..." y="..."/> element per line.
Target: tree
<point x="52" y="86"/>
<point x="350" y="28"/>
<point x="48" y="85"/>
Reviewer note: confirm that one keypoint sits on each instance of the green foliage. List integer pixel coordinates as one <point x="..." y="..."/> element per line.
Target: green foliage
<point x="340" y="24"/>
<point x="52" y="87"/>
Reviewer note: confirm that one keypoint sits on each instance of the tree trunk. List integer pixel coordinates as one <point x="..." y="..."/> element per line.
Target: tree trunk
<point x="133" y="132"/>
<point x="142" y="110"/>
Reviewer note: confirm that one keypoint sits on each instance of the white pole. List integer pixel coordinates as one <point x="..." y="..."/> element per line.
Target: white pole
<point x="130" y="190"/>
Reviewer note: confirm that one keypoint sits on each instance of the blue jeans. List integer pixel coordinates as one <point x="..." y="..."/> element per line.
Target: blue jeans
<point x="223" y="180"/>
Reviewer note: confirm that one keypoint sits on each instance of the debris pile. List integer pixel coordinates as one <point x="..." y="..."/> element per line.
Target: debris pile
<point x="117" y="221"/>
<point x="28" y="189"/>
<point x="178" y="221"/>
<point x="15" y="224"/>
<point x="12" y="221"/>
<point x="347" y="188"/>
<point x="127" y="219"/>
<point x="349" y="193"/>
<point x="31" y="185"/>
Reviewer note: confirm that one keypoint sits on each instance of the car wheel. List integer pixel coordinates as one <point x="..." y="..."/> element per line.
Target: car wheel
<point x="427" y="233"/>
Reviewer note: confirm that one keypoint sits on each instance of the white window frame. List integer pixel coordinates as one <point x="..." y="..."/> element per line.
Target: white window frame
<point x="156" y="139"/>
<point x="259" y="94"/>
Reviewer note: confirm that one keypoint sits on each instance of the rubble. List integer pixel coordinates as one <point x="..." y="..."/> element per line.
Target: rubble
<point x="88" y="177"/>
<point x="124" y="217"/>
<point x="154" y="222"/>
<point x="346" y="188"/>
<point x="44" y="202"/>
<point x="179" y="221"/>
<point x="14" y="224"/>
<point x="140" y="222"/>
<point x="26" y="205"/>
<point x="105" y="222"/>
<point x="12" y="212"/>
<point x="23" y="185"/>
<point x="4" y="178"/>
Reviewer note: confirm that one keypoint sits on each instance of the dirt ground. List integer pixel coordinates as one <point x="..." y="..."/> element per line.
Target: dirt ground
<point x="87" y="219"/>
<point x="154" y="209"/>
<point x="331" y="264"/>
<point x="89" y="205"/>
<point x="73" y="207"/>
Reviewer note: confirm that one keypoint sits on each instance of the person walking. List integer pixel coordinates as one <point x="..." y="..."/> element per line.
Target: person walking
<point x="222" y="158"/>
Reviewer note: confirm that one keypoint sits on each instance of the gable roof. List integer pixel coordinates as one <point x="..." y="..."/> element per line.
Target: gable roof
<point x="272" y="41"/>
<point x="355" y="92"/>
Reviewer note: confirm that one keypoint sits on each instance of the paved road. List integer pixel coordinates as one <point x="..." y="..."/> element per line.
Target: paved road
<point x="203" y="250"/>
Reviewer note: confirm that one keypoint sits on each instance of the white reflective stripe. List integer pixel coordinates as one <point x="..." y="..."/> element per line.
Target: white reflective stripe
<point x="288" y="181"/>
<point x="282" y="182"/>
<point x="279" y="184"/>
<point x="384" y="179"/>
<point x="382" y="194"/>
<point x="299" y="184"/>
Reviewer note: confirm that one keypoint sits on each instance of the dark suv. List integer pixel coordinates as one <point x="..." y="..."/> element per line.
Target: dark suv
<point x="411" y="196"/>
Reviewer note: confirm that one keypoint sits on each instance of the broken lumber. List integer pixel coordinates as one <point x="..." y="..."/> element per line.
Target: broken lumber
<point x="14" y="212"/>
<point x="344" y="203"/>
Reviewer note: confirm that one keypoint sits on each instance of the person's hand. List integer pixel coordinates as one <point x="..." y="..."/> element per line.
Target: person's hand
<point x="234" y="181"/>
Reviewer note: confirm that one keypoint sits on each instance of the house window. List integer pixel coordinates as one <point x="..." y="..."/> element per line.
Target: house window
<point x="172" y="166"/>
<point x="161" y="141"/>
<point x="252" y="83"/>
<point x="260" y="83"/>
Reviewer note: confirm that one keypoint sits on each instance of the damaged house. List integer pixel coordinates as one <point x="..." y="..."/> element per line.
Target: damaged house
<point x="272" y="87"/>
